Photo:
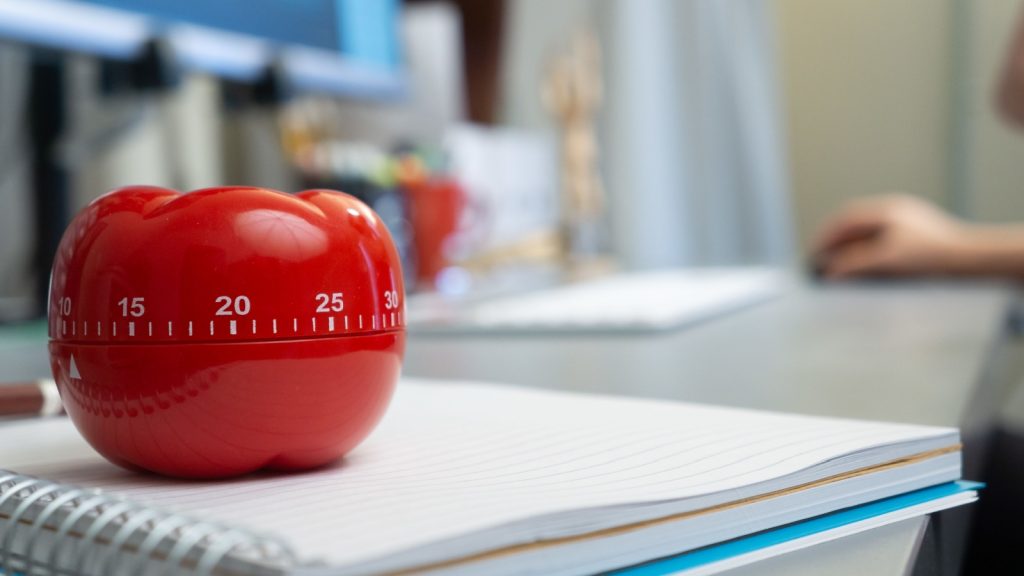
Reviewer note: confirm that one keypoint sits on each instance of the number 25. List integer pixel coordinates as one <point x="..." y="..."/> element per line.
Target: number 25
<point x="328" y="303"/>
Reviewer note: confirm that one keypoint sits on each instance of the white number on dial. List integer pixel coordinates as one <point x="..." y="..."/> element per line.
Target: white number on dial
<point x="239" y="305"/>
<point x="135" y="307"/>
<point x="330" y="302"/>
<point x="391" y="299"/>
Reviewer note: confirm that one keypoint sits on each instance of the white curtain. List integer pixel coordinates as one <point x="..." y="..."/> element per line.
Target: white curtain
<point x="692" y="144"/>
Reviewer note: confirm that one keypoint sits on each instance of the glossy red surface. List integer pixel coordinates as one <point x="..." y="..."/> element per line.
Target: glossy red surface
<point x="435" y="207"/>
<point x="225" y="330"/>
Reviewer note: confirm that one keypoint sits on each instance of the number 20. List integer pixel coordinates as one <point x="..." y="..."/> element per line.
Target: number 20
<point x="239" y="305"/>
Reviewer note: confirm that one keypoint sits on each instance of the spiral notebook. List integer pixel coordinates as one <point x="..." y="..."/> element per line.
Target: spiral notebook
<point x="465" y="478"/>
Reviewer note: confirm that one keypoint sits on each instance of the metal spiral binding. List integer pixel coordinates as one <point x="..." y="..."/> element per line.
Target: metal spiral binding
<point x="50" y="529"/>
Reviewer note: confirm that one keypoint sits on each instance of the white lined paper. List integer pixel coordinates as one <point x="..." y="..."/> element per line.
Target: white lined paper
<point x="453" y="459"/>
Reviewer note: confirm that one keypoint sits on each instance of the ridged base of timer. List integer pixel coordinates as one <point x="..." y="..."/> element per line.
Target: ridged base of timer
<point x="209" y="410"/>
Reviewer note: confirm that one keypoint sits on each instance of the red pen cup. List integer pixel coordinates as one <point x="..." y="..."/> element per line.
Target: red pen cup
<point x="435" y="210"/>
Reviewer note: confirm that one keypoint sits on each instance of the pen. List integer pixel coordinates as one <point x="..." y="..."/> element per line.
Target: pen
<point x="33" y="398"/>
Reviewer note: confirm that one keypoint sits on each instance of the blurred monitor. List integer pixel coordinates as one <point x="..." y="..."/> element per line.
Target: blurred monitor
<point x="343" y="46"/>
<point x="360" y="30"/>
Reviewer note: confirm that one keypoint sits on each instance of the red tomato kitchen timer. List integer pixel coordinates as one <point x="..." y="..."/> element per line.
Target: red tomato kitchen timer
<point x="226" y="330"/>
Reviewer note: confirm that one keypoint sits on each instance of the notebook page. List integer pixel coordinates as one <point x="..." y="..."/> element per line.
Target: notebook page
<point x="455" y="458"/>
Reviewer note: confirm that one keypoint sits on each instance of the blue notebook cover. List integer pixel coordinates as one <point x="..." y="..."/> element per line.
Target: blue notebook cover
<point x="733" y="548"/>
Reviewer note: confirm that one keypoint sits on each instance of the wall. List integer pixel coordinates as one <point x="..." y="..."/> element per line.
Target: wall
<point x="883" y="96"/>
<point x="865" y="85"/>
<point x="996" y="151"/>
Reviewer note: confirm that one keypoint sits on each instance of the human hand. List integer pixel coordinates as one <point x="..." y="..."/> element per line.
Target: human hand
<point x="895" y="235"/>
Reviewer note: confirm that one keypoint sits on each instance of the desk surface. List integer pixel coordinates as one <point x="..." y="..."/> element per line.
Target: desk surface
<point x="920" y="353"/>
<point x="886" y="550"/>
<point x="911" y="353"/>
<point x="914" y="353"/>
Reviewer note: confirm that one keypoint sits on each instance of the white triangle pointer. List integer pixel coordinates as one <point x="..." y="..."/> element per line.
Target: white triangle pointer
<point x="73" y="369"/>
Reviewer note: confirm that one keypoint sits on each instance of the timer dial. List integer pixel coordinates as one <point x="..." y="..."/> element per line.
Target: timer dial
<point x="225" y="330"/>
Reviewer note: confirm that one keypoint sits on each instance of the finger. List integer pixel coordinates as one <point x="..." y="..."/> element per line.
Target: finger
<point x="858" y="259"/>
<point x="848" y="231"/>
<point x="854" y="224"/>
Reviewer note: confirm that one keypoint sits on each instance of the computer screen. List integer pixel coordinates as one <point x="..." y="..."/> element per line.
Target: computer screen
<point x="343" y="46"/>
<point x="365" y="31"/>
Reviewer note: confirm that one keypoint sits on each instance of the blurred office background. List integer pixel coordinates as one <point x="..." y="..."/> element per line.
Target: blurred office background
<point x="689" y="149"/>
<point x="725" y="131"/>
